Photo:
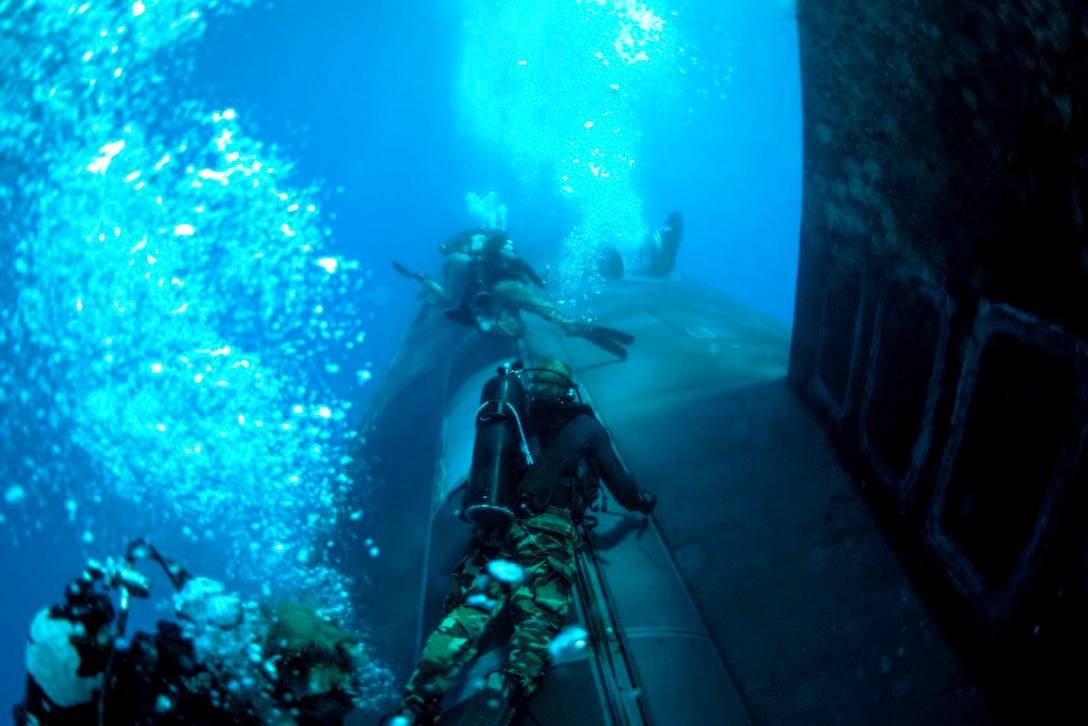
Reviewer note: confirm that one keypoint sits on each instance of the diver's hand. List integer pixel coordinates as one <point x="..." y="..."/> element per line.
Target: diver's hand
<point x="646" y="502"/>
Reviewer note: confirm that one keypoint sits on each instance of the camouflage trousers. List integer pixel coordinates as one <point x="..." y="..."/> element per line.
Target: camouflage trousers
<point x="510" y="298"/>
<point x="538" y="601"/>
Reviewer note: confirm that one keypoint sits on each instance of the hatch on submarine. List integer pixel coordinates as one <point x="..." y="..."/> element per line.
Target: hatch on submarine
<point x="762" y="591"/>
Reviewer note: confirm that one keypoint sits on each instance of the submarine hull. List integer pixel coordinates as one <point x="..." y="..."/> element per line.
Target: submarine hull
<point x="764" y="590"/>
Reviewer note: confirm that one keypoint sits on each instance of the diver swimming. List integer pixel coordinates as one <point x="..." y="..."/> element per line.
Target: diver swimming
<point x="487" y="284"/>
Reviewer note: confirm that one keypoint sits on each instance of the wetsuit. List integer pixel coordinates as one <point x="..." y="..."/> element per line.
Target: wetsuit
<point x="575" y="456"/>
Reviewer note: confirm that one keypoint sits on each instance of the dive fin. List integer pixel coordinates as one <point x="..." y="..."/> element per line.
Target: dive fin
<point x="492" y="705"/>
<point x="617" y="335"/>
<point x="604" y="338"/>
<point x="405" y="271"/>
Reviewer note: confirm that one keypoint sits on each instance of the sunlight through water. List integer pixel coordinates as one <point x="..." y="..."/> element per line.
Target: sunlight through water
<point x="165" y="328"/>
<point x="557" y="86"/>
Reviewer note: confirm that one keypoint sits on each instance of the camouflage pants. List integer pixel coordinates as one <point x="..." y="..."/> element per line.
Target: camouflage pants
<point x="511" y="297"/>
<point x="543" y="546"/>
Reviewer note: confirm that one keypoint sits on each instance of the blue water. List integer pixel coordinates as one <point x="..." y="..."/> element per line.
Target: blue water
<point x="186" y="349"/>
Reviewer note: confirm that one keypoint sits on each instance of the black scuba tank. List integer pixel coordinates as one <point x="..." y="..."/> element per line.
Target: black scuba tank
<point x="500" y="455"/>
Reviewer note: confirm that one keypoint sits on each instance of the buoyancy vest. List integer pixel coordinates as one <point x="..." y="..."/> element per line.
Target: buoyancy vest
<point x="558" y="475"/>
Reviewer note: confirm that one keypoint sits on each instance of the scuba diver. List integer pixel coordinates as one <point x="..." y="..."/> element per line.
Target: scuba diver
<point x="224" y="661"/>
<point x="661" y="245"/>
<point x="475" y="259"/>
<point x="538" y="460"/>
<point x="489" y="284"/>
<point x="656" y="254"/>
